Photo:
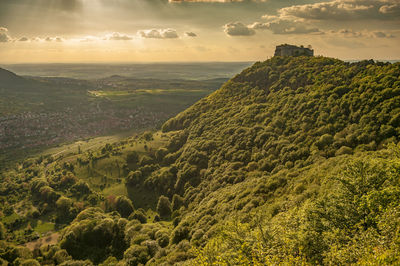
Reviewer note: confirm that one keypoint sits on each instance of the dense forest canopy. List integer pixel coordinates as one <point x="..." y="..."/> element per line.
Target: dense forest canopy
<point x="295" y="160"/>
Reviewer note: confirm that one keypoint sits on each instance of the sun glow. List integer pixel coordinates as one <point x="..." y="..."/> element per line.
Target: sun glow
<point x="122" y="30"/>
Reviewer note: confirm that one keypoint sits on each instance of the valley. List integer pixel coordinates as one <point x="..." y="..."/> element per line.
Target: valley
<point x="283" y="164"/>
<point x="41" y="112"/>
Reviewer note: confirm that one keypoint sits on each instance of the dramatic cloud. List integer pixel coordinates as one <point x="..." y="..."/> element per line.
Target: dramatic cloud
<point x="238" y="29"/>
<point x="345" y="10"/>
<point x="4" y="37"/>
<point x="159" y="34"/>
<point x="190" y="34"/>
<point x="283" y="26"/>
<point x="116" y="36"/>
<point x="223" y="29"/>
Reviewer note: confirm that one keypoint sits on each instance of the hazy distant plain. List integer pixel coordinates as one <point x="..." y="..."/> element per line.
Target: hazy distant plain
<point x="194" y="71"/>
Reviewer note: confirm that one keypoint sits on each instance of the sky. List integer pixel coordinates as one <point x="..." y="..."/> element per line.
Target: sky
<point x="112" y="31"/>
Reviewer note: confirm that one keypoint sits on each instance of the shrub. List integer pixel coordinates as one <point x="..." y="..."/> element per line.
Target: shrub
<point x="180" y="233"/>
<point x="61" y="256"/>
<point x="324" y="140"/>
<point x="47" y="194"/>
<point x="77" y="263"/>
<point x="110" y="261"/>
<point x="124" y="206"/>
<point x="136" y="255"/>
<point x="160" y="154"/>
<point x="139" y="215"/>
<point x="344" y="150"/>
<point x="30" y="262"/>
<point x="134" y="178"/>
<point x="38" y="183"/>
<point x="148" y="136"/>
<point x="132" y="157"/>
<point x="162" y="238"/>
<point x="146" y="160"/>
<point x="63" y="205"/>
<point x="3" y="231"/>
<point x="80" y="188"/>
<point x="95" y="235"/>
<point x="177" y="202"/>
<point x="164" y="207"/>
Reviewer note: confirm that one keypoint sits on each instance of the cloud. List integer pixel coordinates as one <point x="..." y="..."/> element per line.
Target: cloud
<point x="4" y="37"/>
<point x="344" y="10"/>
<point x="349" y="33"/>
<point x="23" y="39"/>
<point x="238" y="29"/>
<point x="53" y="39"/>
<point x="116" y="36"/>
<point x="215" y="1"/>
<point x="190" y="34"/>
<point x="204" y="1"/>
<point x="89" y="39"/>
<point x="285" y="26"/>
<point x="159" y="34"/>
<point x="390" y="9"/>
<point x="380" y="34"/>
<point x="299" y="19"/>
<point x="259" y="26"/>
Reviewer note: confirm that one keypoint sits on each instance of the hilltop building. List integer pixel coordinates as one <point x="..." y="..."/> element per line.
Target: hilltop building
<point x="292" y="50"/>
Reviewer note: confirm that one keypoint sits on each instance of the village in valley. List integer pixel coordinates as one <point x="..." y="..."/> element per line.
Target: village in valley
<point x="31" y="130"/>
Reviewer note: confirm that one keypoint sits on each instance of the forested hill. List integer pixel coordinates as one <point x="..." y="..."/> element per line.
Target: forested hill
<point x="300" y="106"/>
<point x="274" y="140"/>
<point x="294" y="161"/>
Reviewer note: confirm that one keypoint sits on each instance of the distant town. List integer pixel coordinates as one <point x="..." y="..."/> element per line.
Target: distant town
<point x="30" y="130"/>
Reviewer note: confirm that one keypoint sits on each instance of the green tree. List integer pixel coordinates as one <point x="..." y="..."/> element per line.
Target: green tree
<point x="63" y="205"/>
<point x="124" y="206"/>
<point x="3" y="231"/>
<point x="164" y="207"/>
<point x="132" y="157"/>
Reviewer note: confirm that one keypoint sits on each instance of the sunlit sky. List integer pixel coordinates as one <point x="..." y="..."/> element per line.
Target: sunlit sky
<point x="203" y="30"/>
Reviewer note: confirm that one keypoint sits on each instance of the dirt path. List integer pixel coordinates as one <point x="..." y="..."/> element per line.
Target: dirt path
<point x="48" y="240"/>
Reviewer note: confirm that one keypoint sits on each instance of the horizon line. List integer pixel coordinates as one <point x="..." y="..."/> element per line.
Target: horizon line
<point x="171" y="62"/>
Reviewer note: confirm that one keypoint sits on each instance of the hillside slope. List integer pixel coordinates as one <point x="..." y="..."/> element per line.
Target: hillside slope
<point x="8" y="78"/>
<point x="247" y="144"/>
<point x="295" y="160"/>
